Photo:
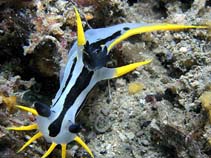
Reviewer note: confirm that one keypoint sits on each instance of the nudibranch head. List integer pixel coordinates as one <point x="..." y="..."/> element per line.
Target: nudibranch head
<point x="95" y="56"/>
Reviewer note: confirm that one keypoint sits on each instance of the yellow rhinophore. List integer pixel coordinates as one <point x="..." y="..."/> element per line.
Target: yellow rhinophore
<point x="80" y="30"/>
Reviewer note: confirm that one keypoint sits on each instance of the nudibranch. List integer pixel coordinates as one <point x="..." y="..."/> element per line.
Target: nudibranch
<point x="85" y="67"/>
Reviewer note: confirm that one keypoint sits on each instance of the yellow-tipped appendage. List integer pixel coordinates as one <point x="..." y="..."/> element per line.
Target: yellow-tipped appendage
<point x="51" y="148"/>
<point x="127" y="68"/>
<point x="64" y="146"/>
<point x="39" y="134"/>
<point x="31" y="110"/>
<point x="156" y="27"/>
<point x="23" y="128"/>
<point x="80" y="30"/>
<point x="80" y="141"/>
<point x="36" y="136"/>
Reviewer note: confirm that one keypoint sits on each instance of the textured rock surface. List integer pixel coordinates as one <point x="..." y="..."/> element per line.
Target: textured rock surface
<point x="164" y="119"/>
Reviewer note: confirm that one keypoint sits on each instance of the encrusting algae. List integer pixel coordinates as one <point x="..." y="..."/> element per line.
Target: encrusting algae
<point x="10" y="101"/>
<point x="205" y="99"/>
<point x="135" y="87"/>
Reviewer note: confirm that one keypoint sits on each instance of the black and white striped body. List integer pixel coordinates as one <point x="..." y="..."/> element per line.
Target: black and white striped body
<point x="76" y="85"/>
<point x="77" y="81"/>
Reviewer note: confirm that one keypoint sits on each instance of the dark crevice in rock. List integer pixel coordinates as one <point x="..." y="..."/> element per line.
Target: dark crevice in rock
<point x="42" y="64"/>
<point x="161" y="9"/>
<point x="208" y="3"/>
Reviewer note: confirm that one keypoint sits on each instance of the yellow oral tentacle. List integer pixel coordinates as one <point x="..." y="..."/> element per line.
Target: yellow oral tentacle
<point x="80" y="141"/>
<point x="119" y="71"/>
<point x="36" y="136"/>
<point x="53" y="145"/>
<point x="23" y="128"/>
<point x="64" y="146"/>
<point x="31" y="110"/>
<point x="80" y="30"/>
<point x="156" y="27"/>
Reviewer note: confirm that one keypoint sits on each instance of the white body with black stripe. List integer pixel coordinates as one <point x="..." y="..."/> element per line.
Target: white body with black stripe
<point x="69" y="80"/>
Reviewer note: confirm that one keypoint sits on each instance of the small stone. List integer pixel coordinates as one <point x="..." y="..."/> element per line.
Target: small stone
<point x="154" y="125"/>
<point x="89" y="16"/>
<point x="56" y="30"/>
<point x="183" y="49"/>
<point x="145" y="142"/>
<point x="105" y="111"/>
<point x="140" y="133"/>
<point x="195" y="84"/>
<point x="104" y="152"/>
<point x="122" y="136"/>
<point x="120" y="82"/>
<point x="130" y="135"/>
<point x="179" y="18"/>
<point x="142" y="102"/>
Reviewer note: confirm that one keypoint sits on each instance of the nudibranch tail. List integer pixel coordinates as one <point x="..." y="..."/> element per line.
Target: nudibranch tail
<point x="51" y="148"/>
<point x="39" y="134"/>
<point x="150" y="28"/>
<point x="80" y="141"/>
<point x="35" y="137"/>
<point x="23" y="128"/>
<point x="80" y="30"/>
<point x="31" y="110"/>
<point x="119" y="71"/>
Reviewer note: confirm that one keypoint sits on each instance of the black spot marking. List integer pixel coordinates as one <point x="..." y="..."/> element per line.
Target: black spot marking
<point x="131" y="2"/>
<point x="126" y="28"/>
<point x="75" y="128"/>
<point x="42" y="109"/>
